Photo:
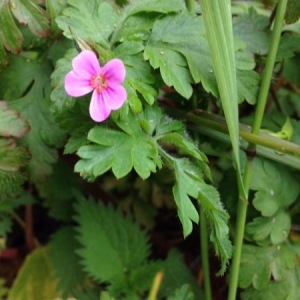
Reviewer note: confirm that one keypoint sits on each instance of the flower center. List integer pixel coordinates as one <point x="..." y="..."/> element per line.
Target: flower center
<point x="98" y="83"/>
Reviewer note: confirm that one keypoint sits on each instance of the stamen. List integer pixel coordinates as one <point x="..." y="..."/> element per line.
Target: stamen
<point x="98" y="83"/>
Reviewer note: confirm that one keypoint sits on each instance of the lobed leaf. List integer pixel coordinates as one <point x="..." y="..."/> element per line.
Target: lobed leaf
<point x="27" y="12"/>
<point x="28" y="92"/>
<point x="10" y="122"/>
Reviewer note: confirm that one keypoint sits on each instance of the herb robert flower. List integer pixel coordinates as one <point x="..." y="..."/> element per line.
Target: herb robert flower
<point x="105" y="82"/>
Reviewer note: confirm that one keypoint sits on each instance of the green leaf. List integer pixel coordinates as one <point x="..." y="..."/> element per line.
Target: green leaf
<point x="252" y="28"/>
<point x="34" y="280"/>
<point x="165" y="7"/>
<point x="292" y="13"/>
<point x="177" y="274"/>
<point x="119" y="246"/>
<point x="60" y="99"/>
<point x="189" y="184"/>
<point x="221" y="44"/>
<point x="90" y="20"/>
<point x="176" y="44"/>
<point x="65" y="261"/>
<point x="55" y="8"/>
<point x="262" y="228"/>
<point x="183" y="189"/>
<point x="26" y="86"/>
<point x="10" y="36"/>
<point x="119" y="151"/>
<point x="60" y="190"/>
<point x="10" y="122"/>
<point x="29" y="13"/>
<point x="183" y="293"/>
<point x="276" y="188"/>
<point x="12" y="159"/>
<point x="279" y="263"/>
<point x="3" y="289"/>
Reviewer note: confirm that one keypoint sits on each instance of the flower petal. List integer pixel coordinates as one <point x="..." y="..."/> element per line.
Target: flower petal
<point x="114" y="96"/>
<point x="98" y="109"/>
<point x="86" y="64"/>
<point x="76" y="86"/>
<point x="114" y="71"/>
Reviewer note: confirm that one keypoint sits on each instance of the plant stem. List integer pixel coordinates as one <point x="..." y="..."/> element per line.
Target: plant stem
<point x="259" y="113"/>
<point x="204" y="255"/>
<point x="155" y="286"/>
<point x="267" y="74"/>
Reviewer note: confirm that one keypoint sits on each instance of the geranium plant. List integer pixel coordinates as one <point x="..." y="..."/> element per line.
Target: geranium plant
<point x="149" y="149"/>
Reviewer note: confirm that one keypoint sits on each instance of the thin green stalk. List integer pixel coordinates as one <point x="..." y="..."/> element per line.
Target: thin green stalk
<point x="259" y="113"/>
<point x="205" y="256"/>
<point x="268" y="71"/>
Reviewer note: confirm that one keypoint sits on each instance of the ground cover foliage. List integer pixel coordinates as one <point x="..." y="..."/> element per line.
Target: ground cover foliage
<point x="113" y="210"/>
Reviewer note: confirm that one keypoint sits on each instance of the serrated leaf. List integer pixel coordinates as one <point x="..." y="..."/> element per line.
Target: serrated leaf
<point x="183" y="189"/>
<point x="276" y="187"/>
<point x="173" y="44"/>
<point x="118" y="247"/>
<point x="10" y="122"/>
<point x="119" y="151"/>
<point x="90" y="20"/>
<point x="65" y="261"/>
<point x="33" y="281"/>
<point x="29" y="13"/>
<point x="28" y="92"/>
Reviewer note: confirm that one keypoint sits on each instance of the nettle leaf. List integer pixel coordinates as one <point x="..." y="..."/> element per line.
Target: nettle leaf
<point x="29" y="13"/>
<point x="271" y="271"/>
<point x="276" y="188"/>
<point x="118" y="150"/>
<point x="65" y="261"/>
<point x="26" y="87"/>
<point x="118" y="247"/>
<point x="91" y="20"/>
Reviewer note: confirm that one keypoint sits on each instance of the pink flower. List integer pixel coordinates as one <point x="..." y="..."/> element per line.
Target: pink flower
<point x="106" y="83"/>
